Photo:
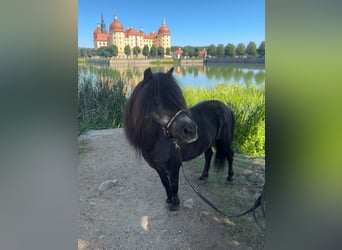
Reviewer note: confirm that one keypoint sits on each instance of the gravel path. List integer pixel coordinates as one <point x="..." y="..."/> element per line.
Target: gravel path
<point x="122" y="203"/>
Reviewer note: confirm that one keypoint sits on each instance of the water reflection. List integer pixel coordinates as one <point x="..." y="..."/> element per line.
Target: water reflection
<point x="210" y="75"/>
<point x="194" y="75"/>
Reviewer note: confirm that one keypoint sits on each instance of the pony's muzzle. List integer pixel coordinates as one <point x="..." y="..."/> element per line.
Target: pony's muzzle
<point x="190" y="132"/>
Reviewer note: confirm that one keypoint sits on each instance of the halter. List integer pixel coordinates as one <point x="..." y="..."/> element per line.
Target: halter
<point x="169" y="124"/>
<point x="173" y="118"/>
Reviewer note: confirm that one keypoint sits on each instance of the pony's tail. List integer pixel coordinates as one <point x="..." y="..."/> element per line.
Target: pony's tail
<point x="221" y="154"/>
<point x="232" y="132"/>
<point x="233" y="126"/>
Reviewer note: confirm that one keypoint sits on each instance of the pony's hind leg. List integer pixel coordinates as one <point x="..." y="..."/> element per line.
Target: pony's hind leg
<point x="208" y="155"/>
<point x="230" y="156"/>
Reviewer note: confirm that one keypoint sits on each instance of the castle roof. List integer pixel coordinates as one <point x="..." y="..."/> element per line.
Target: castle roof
<point x="164" y="30"/>
<point x="116" y="26"/>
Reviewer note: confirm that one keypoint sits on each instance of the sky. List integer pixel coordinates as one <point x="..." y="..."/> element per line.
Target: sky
<point x="194" y="23"/>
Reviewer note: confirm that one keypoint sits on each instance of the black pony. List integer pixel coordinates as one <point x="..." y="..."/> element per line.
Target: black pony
<point x="158" y="125"/>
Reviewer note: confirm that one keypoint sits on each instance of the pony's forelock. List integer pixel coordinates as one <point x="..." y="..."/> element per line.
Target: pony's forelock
<point x="141" y="103"/>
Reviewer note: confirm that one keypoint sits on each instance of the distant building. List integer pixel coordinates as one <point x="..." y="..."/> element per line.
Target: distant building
<point x="177" y="53"/>
<point x="120" y="37"/>
<point x="203" y="53"/>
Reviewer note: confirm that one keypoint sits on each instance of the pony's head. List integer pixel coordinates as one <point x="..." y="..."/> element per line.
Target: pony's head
<point x="157" y="101"/>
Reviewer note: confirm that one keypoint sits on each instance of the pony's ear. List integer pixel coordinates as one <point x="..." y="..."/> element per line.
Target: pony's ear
<point x="148" y="75"/>
<point x="161" y="150"/>
<point x="169" y="73"/>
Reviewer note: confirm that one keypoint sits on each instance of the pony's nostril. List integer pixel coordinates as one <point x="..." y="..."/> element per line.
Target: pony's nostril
<point x="187" y="131"/>
<point x="190" y="130"/>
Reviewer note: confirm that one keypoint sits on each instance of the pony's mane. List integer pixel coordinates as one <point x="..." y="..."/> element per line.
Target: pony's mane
<point x="158" y="87"/>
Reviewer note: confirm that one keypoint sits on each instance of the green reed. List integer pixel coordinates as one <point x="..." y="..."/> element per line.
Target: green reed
<point x="248" y="106"/>
<point x="101" y="99"/>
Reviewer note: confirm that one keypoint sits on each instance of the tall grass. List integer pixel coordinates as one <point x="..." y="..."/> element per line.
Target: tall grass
<point x="101" y="100"/>
<point x="248" y="106"/>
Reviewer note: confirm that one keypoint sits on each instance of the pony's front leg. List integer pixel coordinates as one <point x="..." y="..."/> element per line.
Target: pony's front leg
<point x="166" y="183"/>
<point x="174" y="180"/>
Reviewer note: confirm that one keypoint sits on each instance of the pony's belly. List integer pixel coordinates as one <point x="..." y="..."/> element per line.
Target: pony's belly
<point x="191" y="153"/>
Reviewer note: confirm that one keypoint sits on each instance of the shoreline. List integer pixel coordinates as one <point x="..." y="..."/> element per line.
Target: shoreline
<point x="156" y="62"/>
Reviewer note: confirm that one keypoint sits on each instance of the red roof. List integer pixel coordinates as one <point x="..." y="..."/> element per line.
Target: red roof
<point x="131" y="31"/>
<point x="97" y="31"/>
<point x="101" y="36"/>
<point x="116" y="26"/>
<point x="164" y="30"/>
<point x="178" y="52"/>
<point x="201" y="52"/>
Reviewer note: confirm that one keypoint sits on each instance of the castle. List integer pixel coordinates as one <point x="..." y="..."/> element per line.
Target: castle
<point x="120" y="37"/>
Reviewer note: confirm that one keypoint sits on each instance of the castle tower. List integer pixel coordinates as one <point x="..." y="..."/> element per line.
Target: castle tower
<point x="103" y="25"/>
<point x="117" y="35"/>
<point x="164" y="36"/>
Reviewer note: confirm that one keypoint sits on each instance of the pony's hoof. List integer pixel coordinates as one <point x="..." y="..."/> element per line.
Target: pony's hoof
<point x="203" y="178"/>
<point x="168" y="200"/>
<point x="230" y="178"/>
<point x="174" y="207"/>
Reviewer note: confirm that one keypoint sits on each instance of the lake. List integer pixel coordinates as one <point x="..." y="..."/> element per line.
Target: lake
<point x="210" y="75"/>
<point x="207" y="75"/>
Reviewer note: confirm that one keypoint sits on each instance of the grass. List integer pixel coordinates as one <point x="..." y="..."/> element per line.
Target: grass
<point x="235" y="197"/>
<point x="165" y="62"/>
<point x="82" y="61"/>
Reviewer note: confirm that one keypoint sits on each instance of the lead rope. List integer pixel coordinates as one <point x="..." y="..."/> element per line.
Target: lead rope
<point x="259" y="202"/>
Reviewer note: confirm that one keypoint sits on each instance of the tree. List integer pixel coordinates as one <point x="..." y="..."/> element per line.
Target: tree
<point x="146" y="51"/>
<point x="196" y="51"/>
<point x="240" y="50"/>
<point x="211" y="50"/>
<point x="251" y="49"/>
<point x="189" y="51"/>
<point x="168" y="51"/>
<point x="220" y="50"/>
<point x="89" y="52"/>
<point x="229" y="50"/>
<point x="127" y="50"/>
<point x="160" y="51"/>
<point x="186" y="51"/>
<point x="261" y="49"/>
<point x="80" y="52"/>
<point x="153" y="51"/>
<point x="101" y="51"/>
<point x="136" y="51"/>
<point x="113" y="50"/>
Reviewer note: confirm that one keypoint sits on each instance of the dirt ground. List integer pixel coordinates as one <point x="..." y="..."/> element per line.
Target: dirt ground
<point x="129" y="210"/>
